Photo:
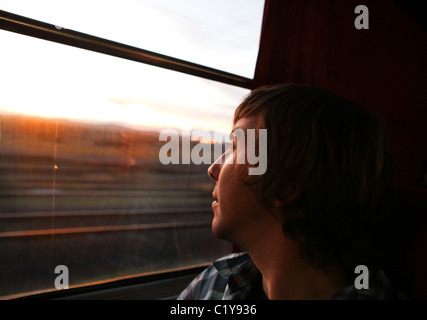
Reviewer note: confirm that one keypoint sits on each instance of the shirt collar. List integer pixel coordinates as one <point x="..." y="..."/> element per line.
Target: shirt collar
<point x="239" y="270"/>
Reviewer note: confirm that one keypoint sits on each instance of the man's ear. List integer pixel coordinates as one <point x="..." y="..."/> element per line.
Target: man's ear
<point x="280" y="203"/>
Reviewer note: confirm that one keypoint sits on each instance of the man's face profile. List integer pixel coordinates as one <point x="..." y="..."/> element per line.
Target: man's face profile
<point x="237" y="214"/>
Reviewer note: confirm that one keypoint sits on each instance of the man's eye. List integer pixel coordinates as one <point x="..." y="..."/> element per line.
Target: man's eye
<point x="228" y="146"/>
<point x="234" y="145"/>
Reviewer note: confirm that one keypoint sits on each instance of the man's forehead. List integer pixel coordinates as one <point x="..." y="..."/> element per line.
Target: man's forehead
<point x="246" y="123"/>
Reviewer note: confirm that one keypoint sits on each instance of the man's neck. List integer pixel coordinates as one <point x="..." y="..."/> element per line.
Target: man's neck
<point x="287" y="276"/>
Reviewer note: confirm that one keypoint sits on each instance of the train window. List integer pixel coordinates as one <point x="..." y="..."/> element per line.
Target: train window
<point x="221" y="34"/>
<point x="81" y="181"/>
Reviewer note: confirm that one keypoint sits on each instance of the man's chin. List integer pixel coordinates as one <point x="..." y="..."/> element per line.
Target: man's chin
<point x="222" y="232"/>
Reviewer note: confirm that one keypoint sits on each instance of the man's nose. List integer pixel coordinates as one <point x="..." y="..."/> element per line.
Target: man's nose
<point x="215" y="169"/>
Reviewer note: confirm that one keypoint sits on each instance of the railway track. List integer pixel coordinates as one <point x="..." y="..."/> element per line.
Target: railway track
<point x="32" y="224"/>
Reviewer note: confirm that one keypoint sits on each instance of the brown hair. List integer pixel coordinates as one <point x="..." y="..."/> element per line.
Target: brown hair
<point x="334" y="156"/>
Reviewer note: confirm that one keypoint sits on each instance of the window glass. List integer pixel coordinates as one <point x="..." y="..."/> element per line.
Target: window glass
<point x="222" y="34"/>
<point x="81" y="180"/>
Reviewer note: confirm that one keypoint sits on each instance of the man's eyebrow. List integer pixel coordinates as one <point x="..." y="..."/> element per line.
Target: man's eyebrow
<point x="232" y="131"/>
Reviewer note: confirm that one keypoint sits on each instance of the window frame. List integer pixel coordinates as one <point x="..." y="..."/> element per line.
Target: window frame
<point x="162" y="285"/>
<point x="170" y="281"/>
<point x="38" y="29"/>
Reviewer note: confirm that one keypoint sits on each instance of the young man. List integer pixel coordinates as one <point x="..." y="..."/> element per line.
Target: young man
<point x="317" y="211"/>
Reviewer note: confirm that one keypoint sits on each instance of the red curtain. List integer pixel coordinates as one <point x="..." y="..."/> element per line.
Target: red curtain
<point x="383" y="68"/>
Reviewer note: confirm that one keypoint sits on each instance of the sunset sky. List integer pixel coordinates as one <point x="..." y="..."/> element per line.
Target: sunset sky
<point x="52" y="80"/>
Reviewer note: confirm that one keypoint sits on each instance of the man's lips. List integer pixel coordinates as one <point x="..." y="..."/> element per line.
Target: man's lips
<point x="215" y="199"/>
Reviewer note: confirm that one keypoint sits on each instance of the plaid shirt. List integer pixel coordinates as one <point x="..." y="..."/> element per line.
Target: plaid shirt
<point x="233" y="277"/>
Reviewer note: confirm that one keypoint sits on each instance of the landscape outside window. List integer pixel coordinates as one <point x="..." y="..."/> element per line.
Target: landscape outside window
<point x="82" y="184"/>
